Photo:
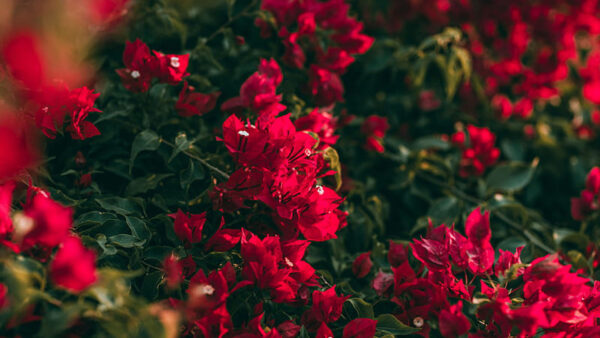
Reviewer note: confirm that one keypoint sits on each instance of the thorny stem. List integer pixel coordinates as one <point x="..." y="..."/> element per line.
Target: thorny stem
<point x="199" y="159"/>
<point x="462" y="195"/>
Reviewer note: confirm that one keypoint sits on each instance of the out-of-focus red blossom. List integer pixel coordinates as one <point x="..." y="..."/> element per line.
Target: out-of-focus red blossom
<point x="173" y="271"/>
<point x="297" y="22"/>
<point x="428" y="101"/>
<point x="502" y="105"/>
<point x="362" y="265"/>
<point x="326" y="86"/>
<point x="288" y="329"/>
<point x="206" y="293"/>
<point x="188" y="228"/>
<point x="6" y="225"/>
<point x="107" y="13"/>
<point x="85" y="180"/>
<point x="321" y="123"/>
<point x="58" y="103"/>
<point x="360" y="328"/>
<point x="397" y="254"/>
<point x="375" y="127"/>
<point x="3" y="296"/>
<point x="478" y="152"/>
<point x="191" y="103"/>
<point x="382" y="283"/>
<point x="48" y="222"/>
<point x="22" y="54"/>
<point x="326" y="308"/>
<point x="588" y="202"/>
<point x="324" y="331"/>
<point x="19" y="151"/>
<point x="453" y="322"/>
<point x="74" y="266"/>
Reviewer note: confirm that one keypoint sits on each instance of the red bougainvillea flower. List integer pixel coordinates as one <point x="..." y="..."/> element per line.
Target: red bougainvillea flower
<point x="3" y="296"/>
<point x="207" y="293"/>
<point x="173" y="271"/>
<point x="478" y="153"/>
<point x="73" y="266"/>
<point x="6" y="225"/>
<point x="588" y="201"/>
<point x="223" y="239"/>
<point x="188" y="228"/>
<point x="49" y="222"/>
<point x="191" y="103"/>
<point x="382" y="283"/>
<point x="321" y="123"/>
<point x="362" y="265"/>
<point x="18" y="148"/>
<point x="171" y="68"/>
<point x="326" y="308"/>
<point x="375" y="127"/>
<point x="326" y="86"/>
<point x="397" y="254"/>
<point x="360" y="328"/>
<point x="453" y="322"/>
<point x="140" y="65"/>
<point x="324" y="331"/>
<point x="22" y="55"/>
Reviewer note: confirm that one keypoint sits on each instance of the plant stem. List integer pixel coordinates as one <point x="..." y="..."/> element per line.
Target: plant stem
<point x="199" y="159"/>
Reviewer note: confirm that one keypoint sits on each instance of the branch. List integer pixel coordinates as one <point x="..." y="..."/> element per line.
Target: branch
<point x="199" y="159"/>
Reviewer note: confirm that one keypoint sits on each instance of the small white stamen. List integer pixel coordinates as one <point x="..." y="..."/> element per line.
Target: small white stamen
<point x="175" y="61"/>
<point x="307" y="152"/>
<point x="135" y="74"/>
<point x="208" y="289"/>
<point x="288" y="262"/>
<point x="243" y="133"/>
<point x="320" y="190"/>
<point x="418" y="321"/>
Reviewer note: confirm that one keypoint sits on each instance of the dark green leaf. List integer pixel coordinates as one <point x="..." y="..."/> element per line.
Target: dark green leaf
<point x="146" y="140"/>
<point x="389" y="324"/>
<point x="510" y="177"/>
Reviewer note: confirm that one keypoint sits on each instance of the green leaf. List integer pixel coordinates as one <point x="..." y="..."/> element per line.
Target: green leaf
<point x="511" y="177"/>
<point x="119" y="205"/>
<point x="126" y="241"/>
<point x="362" y="308"/>
<point x="444" y="210"/>
<point x="430" y="142"/>
<point x="192" y="173"/>
<point x="146" y="140"/>
<point x="181" y="144"/>
<point x="389" y="324"/>
<point x="145" y="184"/>
<point x="138" y="228"/>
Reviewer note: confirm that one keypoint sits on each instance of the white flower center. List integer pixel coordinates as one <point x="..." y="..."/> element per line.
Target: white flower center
<point x="207" y="289"/>
<point x="243" y="133"/>
<point x="175" y="61"/>
<point x="288" y="262"/>
<point x="320" y="190"/>
<point x="307" y="152"/>
<point x="418" y="321"/>
<point x="135" y="74"/>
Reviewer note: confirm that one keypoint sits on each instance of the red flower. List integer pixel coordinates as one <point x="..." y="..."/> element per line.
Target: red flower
<point x="326" y="308"/>
<point x="191" y="103"/>
<point x="173" y="271"/>
<point x="375" y="127"/>
<point x="326" y="87"/>
<point x="324" y="331"/>
<point x="362" y="265"/>
<point x="18" y="151"/>
<point x="140" y="65"/>
<point x="288" y="329"/>
<point x="73" y="266"/>
<point x="3" y="297"/>
<point x="453" y="322"/>
<point x="382" y="283"/>
<point x="207" y="293"/>
<point x="360" y="328"/>
<point x="51" y="222"/>
<point x="479" y="153"/>
<point x="22" y="54"/>
<point x="171" y="68"/>
<point x="188" y="228"/>
<point x="321" y="123"/>
<point x="397" y="254"/>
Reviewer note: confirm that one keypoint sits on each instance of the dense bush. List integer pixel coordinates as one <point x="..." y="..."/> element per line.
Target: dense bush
<point x="300" y="168"/>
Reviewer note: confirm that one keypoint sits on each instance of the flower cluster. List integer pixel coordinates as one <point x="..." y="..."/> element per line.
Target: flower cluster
<point x="375" y="127"/>
<point x="142" y="66"/>
<point x="589" y="200"/>
<point x="42" y="226"/>
<point x="305" y="27"/>
<point x="515" y="295"/>
<point x="478" y="151"/>
<point x="51" y="102"/>
<point x="278" y="165"/>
